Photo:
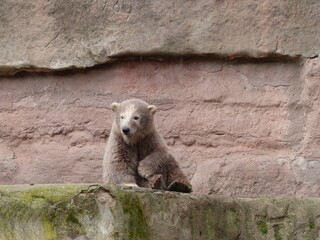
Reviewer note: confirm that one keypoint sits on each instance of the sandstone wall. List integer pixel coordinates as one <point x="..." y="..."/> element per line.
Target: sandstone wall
<point x="44" y="35"/>
<point x="237" y="87"/>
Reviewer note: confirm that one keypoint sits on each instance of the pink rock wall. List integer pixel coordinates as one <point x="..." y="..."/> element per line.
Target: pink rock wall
<point x="237" y="128"/>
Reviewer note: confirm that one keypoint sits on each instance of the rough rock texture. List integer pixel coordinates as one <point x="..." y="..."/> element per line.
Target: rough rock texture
<point x="238" y="92"/>
<point x="236" y="128"/>
<point x="43" y="35"/>
<point x="94" y="212"/>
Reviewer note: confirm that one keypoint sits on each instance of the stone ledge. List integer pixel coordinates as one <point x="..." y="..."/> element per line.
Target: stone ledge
<point x="55" y="35"/>
<point x="235" y="57"/>
<point x="112" y="212"/>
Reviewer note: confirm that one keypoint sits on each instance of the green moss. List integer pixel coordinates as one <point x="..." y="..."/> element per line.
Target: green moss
<point x="215" y="220"/>
<point x="72" y="219"/>
<point x="311" y="224"/>
<point x="210" y="224"/>
<point x="262" y="225"/>
<point x="71" y="223"/>
<point x="70" y="215"/>
<point x="277" y="234"/>
<point x="311" y="229"/>
<point x="233" y="220"/>
<point x="136" y="225"/>
<point x="49" y="233"/>
<point x="52" y="208"/>
<point x="73" y="211"/>
<point x="40" y="194"/>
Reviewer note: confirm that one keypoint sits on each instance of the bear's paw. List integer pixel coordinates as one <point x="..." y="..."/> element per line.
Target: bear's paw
<point x="178" y="186"/>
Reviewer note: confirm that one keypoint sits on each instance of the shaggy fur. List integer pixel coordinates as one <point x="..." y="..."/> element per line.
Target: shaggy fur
<point x="141" y="156"/>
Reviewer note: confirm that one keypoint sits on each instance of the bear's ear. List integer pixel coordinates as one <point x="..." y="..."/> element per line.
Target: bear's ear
<point x="152" y="109"/>
<point x="115" y="106"/>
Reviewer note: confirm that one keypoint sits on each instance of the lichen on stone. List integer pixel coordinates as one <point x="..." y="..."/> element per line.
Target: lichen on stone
<point x="50" y="211"/>
<point x="117" y="213"/>
<point x="262" y="225"/>
<point x="129" y="205"/>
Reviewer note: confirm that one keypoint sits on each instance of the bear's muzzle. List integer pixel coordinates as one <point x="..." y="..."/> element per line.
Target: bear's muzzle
<point x="126" y="130"/>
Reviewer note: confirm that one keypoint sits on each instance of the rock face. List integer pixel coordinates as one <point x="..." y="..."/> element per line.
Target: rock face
<point x="236" y="83"/>
<point x="236" y="128"/>
<point x="95" y="212"/>
<point x="46" y="35"/>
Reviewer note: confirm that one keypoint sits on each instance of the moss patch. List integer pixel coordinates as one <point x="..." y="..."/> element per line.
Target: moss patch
<point x="277" y="234"/>
<point x="75" y="211"/>
<point x="137" y="227"/>
<point x="262" y="225"/>
<point x="52" y="210"/>
<point x="49" y="233"/>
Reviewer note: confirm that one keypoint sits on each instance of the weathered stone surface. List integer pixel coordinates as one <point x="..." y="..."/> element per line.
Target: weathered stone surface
<point x="110" y="212"/>
<point x="306" y="167"/>
<point x="236" y="128"/>
<point x="44" y="35"/>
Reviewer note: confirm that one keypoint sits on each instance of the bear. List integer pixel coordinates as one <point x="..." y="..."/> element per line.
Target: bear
<point x="136" y="154"/>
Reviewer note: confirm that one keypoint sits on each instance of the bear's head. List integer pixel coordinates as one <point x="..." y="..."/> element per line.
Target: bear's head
<point x="134" y="119"/>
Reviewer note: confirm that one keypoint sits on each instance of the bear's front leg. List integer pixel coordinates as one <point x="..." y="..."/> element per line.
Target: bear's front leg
<point x="151" y="168"/>
<point x="123" y="176"/>
<point x="152" y="164"/>
<point x="163" y="164"/>
<point x="120" y="166"/>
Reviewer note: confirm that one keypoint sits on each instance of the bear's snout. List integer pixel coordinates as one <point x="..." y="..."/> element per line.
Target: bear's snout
<point x="126" y="130"/>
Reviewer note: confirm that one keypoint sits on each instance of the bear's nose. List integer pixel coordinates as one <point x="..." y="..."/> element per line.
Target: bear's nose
<point x="125" y="130"/>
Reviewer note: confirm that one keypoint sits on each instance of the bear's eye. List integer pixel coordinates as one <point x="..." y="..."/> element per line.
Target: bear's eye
<point x="136" y="118"/>
<point x="122" y="117"/>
